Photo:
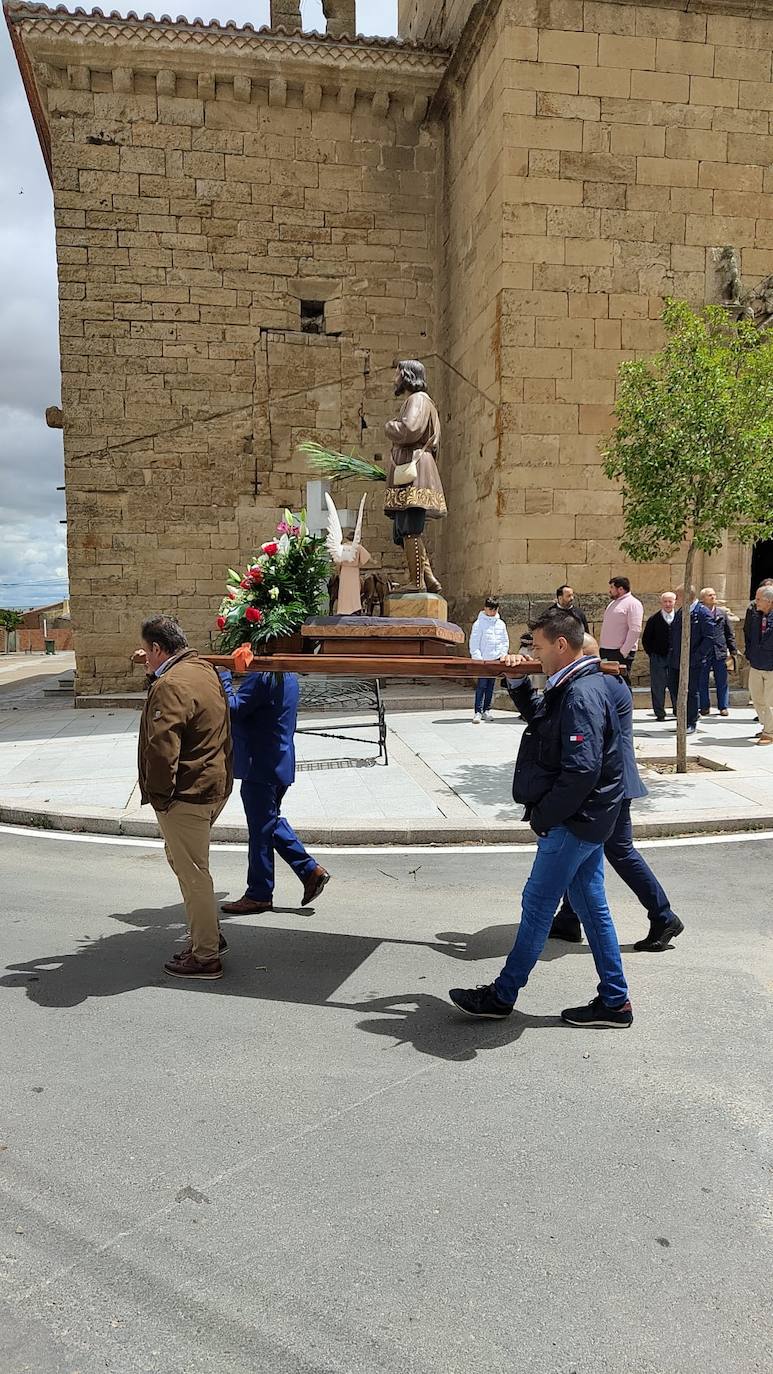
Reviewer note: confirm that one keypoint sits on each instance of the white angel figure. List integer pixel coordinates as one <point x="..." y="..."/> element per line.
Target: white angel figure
<point x="348" y="559"/>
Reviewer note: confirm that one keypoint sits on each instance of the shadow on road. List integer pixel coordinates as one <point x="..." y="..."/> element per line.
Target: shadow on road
<point x="302" y="967"/>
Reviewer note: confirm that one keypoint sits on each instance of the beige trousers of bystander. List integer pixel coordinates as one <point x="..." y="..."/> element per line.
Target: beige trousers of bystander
<point x="186" y="829"/>
<point x="761" y="692"/>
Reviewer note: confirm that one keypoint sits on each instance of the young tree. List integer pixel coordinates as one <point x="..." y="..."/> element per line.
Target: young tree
<point x="693" y="449"/>
<point x="10" y="620"/>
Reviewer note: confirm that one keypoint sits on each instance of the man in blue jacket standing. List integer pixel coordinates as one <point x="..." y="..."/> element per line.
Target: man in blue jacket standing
<point x="619" y="849"/>
<point x="701" y="646"/>
<point x="569" y="776"/>
<point x="264" y="713"/>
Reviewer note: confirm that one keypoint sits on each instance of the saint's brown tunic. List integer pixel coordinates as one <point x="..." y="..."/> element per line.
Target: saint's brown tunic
<point x="415" y="434"/>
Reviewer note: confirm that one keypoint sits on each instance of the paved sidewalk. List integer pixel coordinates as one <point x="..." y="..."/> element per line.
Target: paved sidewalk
<point x="448" y="780"/>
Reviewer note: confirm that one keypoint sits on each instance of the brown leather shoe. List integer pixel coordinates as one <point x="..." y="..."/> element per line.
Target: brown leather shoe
<point x="246" y="907"/>
<point x="188" y="966"/>
<point x="183" y="953"/>
<point x="316" y="881"/>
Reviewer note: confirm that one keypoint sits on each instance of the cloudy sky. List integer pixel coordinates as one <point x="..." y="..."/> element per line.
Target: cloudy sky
<point x="33" y="559"/>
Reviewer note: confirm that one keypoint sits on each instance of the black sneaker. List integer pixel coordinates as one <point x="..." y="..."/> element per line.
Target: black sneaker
<point x="567" y="928"/>
<point x="660" y="933"/>
<point x="480" y="1001"/>
<point x="597" y="1013"/>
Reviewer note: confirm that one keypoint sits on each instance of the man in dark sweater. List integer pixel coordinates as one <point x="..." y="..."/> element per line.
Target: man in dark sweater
<point x="656" y="643"/>
<point x="569" y="777"/>
<point x="758" y="647"/>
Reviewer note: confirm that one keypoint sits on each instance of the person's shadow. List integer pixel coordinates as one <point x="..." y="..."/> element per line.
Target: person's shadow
<point x="271" y="963"/>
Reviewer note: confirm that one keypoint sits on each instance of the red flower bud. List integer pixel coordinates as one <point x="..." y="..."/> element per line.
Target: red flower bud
<point x="269" y="548"/>
<point x="253" y="615"/>
<point x="256" y="573"/>
<point x="245" y="583"/>
<point x="220" y="622"/>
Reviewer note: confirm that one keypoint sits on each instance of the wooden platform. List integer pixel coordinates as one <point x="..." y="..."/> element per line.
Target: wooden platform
<point x="378" y="636"/>
<point x="382" y="665"/>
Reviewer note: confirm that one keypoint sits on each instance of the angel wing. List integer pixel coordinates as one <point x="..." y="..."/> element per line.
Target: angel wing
<point x="335" y="535"/>
<point x="358" y="528"/>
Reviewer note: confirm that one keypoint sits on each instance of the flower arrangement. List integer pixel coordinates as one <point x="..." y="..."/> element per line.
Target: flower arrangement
<point x="281" y="587"/>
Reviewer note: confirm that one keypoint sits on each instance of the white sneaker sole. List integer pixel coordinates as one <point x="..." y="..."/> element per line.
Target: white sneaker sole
<point x="481" y="1015"/>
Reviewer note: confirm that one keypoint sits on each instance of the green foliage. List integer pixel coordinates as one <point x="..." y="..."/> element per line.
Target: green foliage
<point x="286" y="582"/>
<point x="340" y="467"/>
<point x="11" y="620"/>
<point x="693" y="447"/>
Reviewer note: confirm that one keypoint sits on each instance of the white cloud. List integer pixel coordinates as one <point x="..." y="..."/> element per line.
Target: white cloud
<point x="32" y="540"/>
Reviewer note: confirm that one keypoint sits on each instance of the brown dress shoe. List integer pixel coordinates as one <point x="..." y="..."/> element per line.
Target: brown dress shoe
<point x="316" y="881"/>
<point x="183" y="953"/>
<point x="246" y="907"/>
<point x="188" y="966"/>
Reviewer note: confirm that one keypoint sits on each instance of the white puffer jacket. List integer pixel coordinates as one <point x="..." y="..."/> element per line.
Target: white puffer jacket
<point x="489" y="639"/>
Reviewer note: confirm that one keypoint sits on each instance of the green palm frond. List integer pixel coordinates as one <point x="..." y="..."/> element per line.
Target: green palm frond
<point x="339" y="467"/>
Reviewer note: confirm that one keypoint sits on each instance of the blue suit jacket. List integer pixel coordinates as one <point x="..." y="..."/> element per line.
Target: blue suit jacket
<point x="623" y="701"/>
<point x="264" y="713"/>
<point x="701" y="638"/>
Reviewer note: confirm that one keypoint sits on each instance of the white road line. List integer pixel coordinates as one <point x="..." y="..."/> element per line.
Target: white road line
<point x="134" y="842"/>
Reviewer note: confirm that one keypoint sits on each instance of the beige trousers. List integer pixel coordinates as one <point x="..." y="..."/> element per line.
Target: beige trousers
<point x="186" y="830"/>
<point x="761" y="692"/>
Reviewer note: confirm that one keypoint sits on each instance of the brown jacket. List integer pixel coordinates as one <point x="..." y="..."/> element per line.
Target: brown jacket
<point x="415" y="434"/>
<point x="185" y="736"/>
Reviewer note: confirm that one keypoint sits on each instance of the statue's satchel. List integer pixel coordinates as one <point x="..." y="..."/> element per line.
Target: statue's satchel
<point x="405" y="473"/>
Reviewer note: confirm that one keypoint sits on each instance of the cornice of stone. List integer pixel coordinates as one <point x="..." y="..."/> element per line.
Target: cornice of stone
<point x="61" y="48"/>
<point x="44" y="30"/>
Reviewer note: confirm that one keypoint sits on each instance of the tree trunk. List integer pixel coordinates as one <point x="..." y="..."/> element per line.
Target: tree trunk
<point x="684" y="665"/>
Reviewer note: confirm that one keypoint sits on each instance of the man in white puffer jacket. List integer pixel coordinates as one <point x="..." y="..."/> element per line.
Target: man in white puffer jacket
<point x="489" y="640"/>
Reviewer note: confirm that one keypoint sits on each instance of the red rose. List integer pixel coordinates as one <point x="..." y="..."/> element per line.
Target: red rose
<point x="253" y="615"/>
<point x="256" y="573"/>
<point x="269" y="548"/>
<point x="245" y="583"/>
<point x="220" y="622"/>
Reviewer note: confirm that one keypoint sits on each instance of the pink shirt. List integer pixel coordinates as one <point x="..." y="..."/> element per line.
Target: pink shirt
<point x="621" y="626"/>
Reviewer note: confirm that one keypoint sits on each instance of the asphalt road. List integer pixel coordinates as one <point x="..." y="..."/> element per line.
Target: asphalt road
<point x="316" y="1165"/>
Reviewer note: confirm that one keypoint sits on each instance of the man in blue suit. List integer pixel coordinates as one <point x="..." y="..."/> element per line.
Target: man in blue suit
<point x="264" y="713"/>
<point x="619" y="849"/>
<point x="701" y="647"/>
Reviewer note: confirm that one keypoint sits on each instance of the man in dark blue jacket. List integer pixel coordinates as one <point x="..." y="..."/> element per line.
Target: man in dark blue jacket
<point x="569" y="776"/>
<point x="264" y="713"/>
<point x="619" y="849"/>
<point x="701" y="647"/>
<point x="758" y="642"/>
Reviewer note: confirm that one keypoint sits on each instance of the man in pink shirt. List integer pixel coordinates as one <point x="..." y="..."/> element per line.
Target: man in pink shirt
<point x="621" y="626"/>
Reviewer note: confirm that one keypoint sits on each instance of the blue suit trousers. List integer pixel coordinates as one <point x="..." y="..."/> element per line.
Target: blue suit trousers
<point x="270" y="833"/>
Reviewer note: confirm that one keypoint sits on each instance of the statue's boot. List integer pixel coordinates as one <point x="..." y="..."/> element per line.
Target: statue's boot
<point x="430" y="580"/>
<point x="414" y="558"/>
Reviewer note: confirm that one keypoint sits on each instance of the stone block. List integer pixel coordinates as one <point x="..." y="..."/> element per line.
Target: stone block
<point x="598" y="81"/>
<point x="416" y="605"/>
<point x="660" y="86"/>
<point x="696" y="143"/>
<point x="696" y="59"/>
<point x="617" y="51"/>
<point x="569" y="48"/>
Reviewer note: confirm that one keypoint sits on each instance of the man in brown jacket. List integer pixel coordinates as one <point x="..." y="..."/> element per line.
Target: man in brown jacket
<point x="186" y="775"/>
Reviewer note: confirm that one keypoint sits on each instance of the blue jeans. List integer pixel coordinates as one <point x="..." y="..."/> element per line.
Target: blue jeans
<point x="659" y="681"/>
<point x="565" y="864"/>
<point x="484" y="694"/>
<point x="269" y="832"/>
<point x="633" y="869"/>
<point x="720" y="682"/>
